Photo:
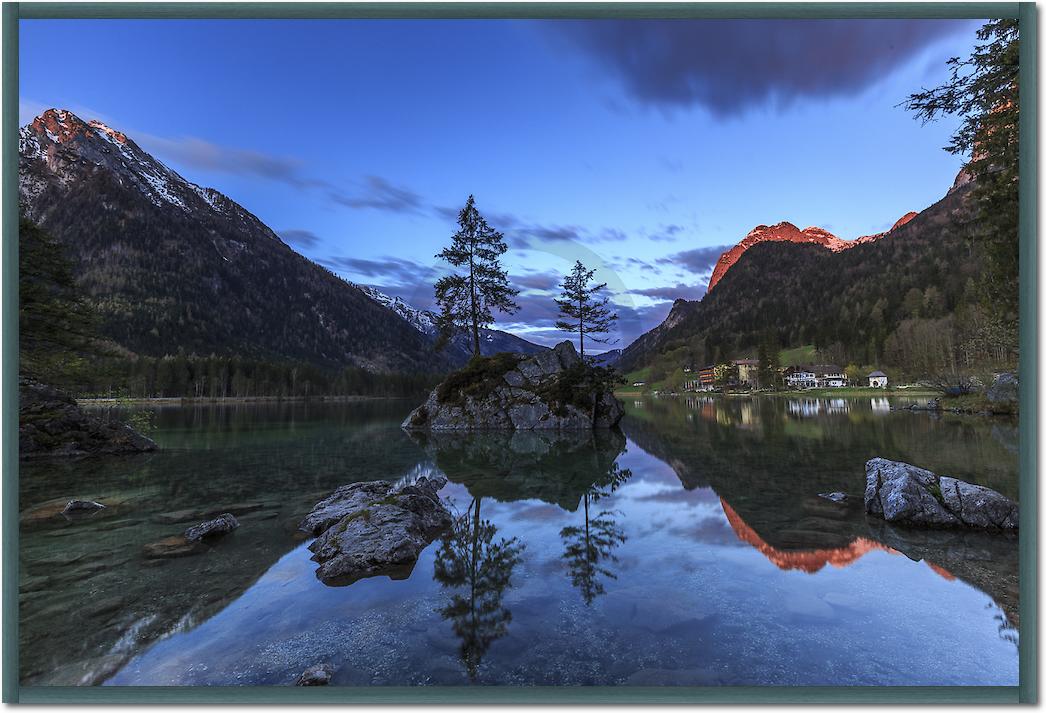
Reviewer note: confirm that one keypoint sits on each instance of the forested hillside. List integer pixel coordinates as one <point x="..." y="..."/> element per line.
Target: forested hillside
<point x="907" y="300"/>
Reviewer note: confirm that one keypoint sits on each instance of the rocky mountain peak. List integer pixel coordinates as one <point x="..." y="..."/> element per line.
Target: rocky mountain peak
<point x="788" y="232"/>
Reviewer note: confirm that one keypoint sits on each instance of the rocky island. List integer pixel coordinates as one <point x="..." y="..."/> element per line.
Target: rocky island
<point x="553" y="390"/>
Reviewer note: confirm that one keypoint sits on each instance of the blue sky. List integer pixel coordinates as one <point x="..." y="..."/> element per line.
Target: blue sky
<point x="642" y="148"/>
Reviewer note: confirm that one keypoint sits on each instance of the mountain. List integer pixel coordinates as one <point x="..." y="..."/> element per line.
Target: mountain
<point x="887" y="296"/>
<point x="173" y="267"/>
<point x="787" y="232"/>
<point x="492" y="341"/>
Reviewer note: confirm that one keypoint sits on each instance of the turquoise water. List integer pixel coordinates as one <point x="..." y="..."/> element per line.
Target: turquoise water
<point x="689" y="549"/>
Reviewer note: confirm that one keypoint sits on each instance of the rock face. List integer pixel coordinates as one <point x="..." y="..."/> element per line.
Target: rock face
<point x="901" y="493"/>
<point x="50" y="423"/>
<point x="787" y="232"/>
<point x="221" y="525"/>
<point x="1005" y="389"/>
<point x="375" y="528"/>
<point x="527" y="396"/>
<point x="318" y="675"/>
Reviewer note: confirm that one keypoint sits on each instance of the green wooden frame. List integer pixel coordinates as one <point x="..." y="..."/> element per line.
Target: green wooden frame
<point x="1026" y="692"/>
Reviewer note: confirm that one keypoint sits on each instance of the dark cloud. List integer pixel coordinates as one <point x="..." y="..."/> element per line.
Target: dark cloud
<point x="384" y="271"/>
<point x="729" y="66"/>
<point x="300" y="238"/>
<point x="377" y="193"/>
<point x="699" y="260"/>
<point x="371" y="192"/>
<point x="542" y="281"/>
<point x="666" y="234"/>
<point x="680" y="291"/>
<point x="197" y="153"/>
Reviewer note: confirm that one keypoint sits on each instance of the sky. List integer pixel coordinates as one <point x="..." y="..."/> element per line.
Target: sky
<point x="642" y="148"/>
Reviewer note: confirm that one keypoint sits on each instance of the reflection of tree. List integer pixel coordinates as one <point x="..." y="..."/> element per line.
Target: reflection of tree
<point x="589" y="549"/>
<point x="469" y="559"/>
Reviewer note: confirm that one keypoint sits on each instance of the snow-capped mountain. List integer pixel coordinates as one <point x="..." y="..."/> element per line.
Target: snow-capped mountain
<point x="175" y="267"/>
<point x="492" y="341"/>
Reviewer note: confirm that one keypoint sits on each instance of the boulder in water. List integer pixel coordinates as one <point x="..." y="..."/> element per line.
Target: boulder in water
<point x="375" y="528"/>
<point x="221" y="525"/>
<point x="904" y="494"/>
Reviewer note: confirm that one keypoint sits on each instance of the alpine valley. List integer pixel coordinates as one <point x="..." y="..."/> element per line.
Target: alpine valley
<point x="175" y="268"/>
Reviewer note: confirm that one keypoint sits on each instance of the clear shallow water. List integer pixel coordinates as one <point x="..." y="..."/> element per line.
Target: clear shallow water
<point x="692" y="549"/>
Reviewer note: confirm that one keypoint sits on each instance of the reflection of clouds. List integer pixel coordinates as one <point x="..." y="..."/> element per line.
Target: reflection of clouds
<point x="688" y="498"/>
<point x="711" y="530"/>
<point x="539" y="513"/>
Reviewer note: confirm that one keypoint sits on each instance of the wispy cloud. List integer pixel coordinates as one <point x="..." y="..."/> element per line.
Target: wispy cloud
<point x="672" y="293"/>
<point x="378" y="193"/>
<point x="300" y="238"/>
<point x="697" y="260"/>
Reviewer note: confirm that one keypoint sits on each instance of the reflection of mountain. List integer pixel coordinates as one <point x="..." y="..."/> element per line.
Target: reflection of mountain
<point x="768" y="480"/>
<point x="478" y="570"/>
<point x="808" y="561"/>
<point x="558" y="468"/>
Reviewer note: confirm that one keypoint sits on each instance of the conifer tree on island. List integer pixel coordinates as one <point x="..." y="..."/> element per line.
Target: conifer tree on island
<point x="583" y="312"/>
<point x="466" y="299"/>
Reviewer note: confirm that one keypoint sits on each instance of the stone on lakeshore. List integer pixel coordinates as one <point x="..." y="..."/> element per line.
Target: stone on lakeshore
<point x="506" y="392"/>
<point x="1005" y="389"/>
<point x="51" y="423"/>
<point x="221" y="525"/>
<point x="375" y="528"/>
<point x="904" y="494"/>
<point x="318" y="675"/>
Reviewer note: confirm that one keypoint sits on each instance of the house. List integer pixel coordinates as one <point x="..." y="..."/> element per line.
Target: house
<point x="706" y="378"/>
<point x="822" y="376"/>
<point x="800" y="377"/>
<point x="877" y="380"/>
<point x="747" y="371"/>
<point x="829" y="376"/>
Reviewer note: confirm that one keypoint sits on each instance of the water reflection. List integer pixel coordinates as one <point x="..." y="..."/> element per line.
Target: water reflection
<point x="589" y="549"/>
<point x="480" y="570"/>
<point x="675" y="556"/>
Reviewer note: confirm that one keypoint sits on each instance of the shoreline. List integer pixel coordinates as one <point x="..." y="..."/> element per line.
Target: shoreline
<point x="218" y="400"/>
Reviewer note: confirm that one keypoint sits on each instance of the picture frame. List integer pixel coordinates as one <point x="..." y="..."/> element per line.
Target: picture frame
<point x="1026" y="692"/>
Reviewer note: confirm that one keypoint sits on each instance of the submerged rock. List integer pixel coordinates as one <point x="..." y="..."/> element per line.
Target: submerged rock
<point x="221" y="525"/>
<point x="374" y="528"/>
<point x="318" y="675"/>
<point x="51" y="423"/>
<point x="173" y="546"/>
<point x="81" y="507"/>
<point x="904" y="494"/>
<point x="835" y="497"/>
<point x="553" y="390"/>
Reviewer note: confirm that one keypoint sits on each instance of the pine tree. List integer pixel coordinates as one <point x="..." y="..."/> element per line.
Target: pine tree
<point x="466" y="300"/>
<point x="584" y="313"/>
<point x="56" y="327"/>
<point x="983" y="90"/>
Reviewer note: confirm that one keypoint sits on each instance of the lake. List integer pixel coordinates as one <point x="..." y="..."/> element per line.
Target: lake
<point x="690" y="548"/>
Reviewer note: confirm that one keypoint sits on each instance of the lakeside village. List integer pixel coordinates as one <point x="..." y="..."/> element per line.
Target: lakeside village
<point x="746" y="375"/>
